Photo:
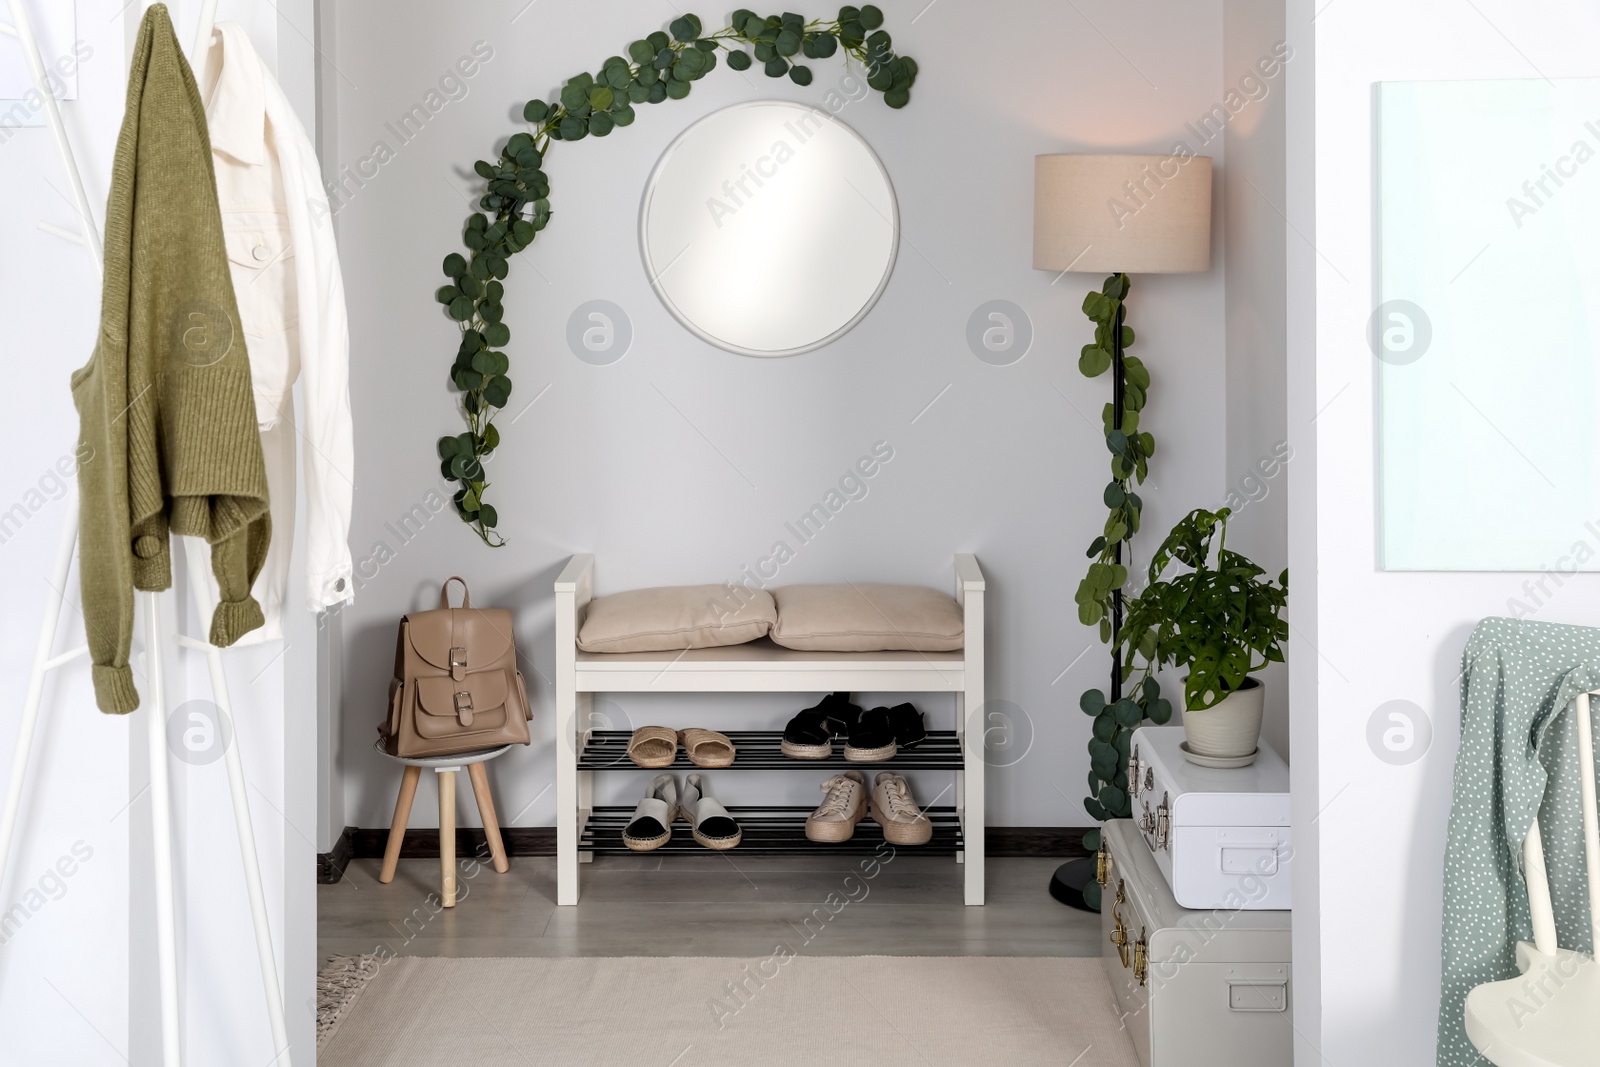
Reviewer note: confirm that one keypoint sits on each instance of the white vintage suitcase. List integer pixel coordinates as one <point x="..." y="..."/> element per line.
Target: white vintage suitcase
<point x="1220" y="837"/>
<point x="1194" y="988"/>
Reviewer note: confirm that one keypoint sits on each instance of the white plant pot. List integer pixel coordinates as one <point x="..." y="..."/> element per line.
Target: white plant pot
<point x="1231" y="728"/>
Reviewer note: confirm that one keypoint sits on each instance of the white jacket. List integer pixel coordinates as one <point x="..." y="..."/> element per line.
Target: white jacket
<point x="291" y="299"/>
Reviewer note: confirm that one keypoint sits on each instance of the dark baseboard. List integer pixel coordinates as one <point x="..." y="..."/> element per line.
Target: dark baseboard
<point x="1063" y="842"/>
<point x="331" y="865"/>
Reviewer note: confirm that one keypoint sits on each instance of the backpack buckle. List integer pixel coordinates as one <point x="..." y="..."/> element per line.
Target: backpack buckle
<point x="458" y="664"/>
<point x="464" y="708"/>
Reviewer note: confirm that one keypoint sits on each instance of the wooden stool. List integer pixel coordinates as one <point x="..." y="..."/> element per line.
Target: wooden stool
<point x="446" y="767"/>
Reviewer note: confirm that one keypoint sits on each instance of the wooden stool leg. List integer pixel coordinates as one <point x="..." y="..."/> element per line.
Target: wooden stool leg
<point x="397" y="829"/>
<point x="491" y="825"/>
<point x="447" y="835"/>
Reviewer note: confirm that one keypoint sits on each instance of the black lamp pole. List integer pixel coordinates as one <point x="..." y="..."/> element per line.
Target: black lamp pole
<point x="1066" y="885"/>
<point x="1118" y="389"/>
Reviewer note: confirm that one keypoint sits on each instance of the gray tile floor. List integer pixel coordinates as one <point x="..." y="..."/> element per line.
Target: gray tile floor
<point x="718" y="904"/>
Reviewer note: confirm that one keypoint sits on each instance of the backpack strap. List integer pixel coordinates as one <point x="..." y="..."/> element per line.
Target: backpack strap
<point x="444" y="592"/>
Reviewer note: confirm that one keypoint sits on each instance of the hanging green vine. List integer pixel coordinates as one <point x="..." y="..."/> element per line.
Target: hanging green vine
<point x="516" y="205"/>
<point x="1131" y="449"/>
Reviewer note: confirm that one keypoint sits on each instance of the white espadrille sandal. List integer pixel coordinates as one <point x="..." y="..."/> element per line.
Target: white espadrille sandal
<point x="712" y="825"/>
<point x="651" y="825"/>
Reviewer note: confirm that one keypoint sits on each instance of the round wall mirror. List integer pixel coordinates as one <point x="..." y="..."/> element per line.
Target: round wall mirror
<point x="769" y="228"/>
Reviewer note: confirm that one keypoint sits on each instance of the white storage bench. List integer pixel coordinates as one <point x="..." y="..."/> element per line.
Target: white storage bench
<point x="762" y="667"/>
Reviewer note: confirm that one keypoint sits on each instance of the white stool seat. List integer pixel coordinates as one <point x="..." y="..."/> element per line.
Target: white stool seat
<point x="1549" y="1017"/>
<point x="447" y="763"/>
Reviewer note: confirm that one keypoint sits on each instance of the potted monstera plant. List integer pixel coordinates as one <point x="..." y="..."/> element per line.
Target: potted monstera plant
<point x="1218" y="617"/>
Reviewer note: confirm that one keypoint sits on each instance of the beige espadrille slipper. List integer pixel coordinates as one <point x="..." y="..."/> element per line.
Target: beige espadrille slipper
<point x="706" y="748"/>
<point x="653" y="746"/>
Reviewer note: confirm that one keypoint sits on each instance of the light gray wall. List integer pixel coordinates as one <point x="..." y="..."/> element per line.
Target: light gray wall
<point x="681" y="463"/>
<point x="1257" y="364"/>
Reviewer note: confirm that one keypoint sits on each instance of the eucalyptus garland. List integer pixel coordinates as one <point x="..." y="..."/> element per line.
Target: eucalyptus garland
<point x="1131" y="449"/>
<point x="516" y="203"/>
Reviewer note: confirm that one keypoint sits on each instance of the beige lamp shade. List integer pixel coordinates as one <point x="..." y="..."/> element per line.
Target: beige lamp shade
<point x="1138" y="214"/>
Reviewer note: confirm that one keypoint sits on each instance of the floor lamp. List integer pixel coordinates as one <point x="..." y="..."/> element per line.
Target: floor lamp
<point x="1118" y="214"/>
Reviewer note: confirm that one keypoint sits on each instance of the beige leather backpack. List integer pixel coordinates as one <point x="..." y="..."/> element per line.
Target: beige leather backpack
<point x="456" y="685"/>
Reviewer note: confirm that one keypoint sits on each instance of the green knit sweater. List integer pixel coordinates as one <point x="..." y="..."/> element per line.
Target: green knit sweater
<point x="165" y="400"/>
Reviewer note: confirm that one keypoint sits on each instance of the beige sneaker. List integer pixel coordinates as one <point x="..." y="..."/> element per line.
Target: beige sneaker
<point x="892" y="807"/>
<point x="844" y="805"/>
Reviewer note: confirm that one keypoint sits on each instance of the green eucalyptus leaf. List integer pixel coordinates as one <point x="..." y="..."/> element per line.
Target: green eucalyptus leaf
<point x="739" y="60"/>
<point x="1105" y="727"/>
<point x="800" y="75"/>
<point x="535" y="111"/>
<point x="488" y="516"/>
<point x="788" y="42"/>
<point x="461" y="309"/>
<point x="455" y="265"/>
<point x="641" y="52"/>
<point x="497" y="334"/>
<point x="446" y="294"/>
<point x="448" y="447"/>
<point x="1094" y="361"/>
<point x="497" y="390"/>
<point x="870" y="17"/>
<point x="658" y="40"/>
<point x="491" y="437"/>
<point x="1093" y="702"/>
<point x="601" y="124"/>
<point x="676" y="89"/>
<point x="777" y="67"/>
<point x="573" y="128"/>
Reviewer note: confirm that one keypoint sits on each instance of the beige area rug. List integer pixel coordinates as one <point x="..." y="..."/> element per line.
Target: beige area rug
<point x="704" y="1012"/>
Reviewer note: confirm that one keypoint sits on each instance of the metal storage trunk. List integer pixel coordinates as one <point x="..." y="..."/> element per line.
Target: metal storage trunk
<point x="1220" y="837"/>
<point x="1195" y="988"/>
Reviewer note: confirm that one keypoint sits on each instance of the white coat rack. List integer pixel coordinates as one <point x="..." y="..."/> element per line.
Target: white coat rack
<point x="155" y="637"/>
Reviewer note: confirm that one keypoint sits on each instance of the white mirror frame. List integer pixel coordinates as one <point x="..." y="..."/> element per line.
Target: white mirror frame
<point x="654" y="271"/>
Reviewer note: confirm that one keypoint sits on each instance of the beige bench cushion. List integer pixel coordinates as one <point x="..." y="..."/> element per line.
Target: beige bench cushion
<point x="866" y="617"/>
<point x="674" y="617"/>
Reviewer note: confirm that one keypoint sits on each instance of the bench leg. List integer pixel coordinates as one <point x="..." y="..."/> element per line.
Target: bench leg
<point x="397" y="829"/>
<point x="491" y="825"/>
<point x="447" y="835"/>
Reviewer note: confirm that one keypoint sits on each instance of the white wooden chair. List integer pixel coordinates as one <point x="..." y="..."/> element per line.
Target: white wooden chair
<point x="1550" y="1016"/>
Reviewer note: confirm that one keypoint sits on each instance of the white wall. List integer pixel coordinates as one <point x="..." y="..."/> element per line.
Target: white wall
<point x="1253" y="194"/>
<point x="78" y="978"/>
<point x="1009" y="463"/>
<point x="1370" y="834"/>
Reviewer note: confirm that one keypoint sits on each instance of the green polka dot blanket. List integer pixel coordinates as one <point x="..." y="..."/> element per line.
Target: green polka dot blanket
<point x="1518" y="759"/>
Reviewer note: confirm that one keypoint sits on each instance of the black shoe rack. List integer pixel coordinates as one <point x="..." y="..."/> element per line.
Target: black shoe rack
<point x="774" y="829"/>
<point x="758" y="750"/>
